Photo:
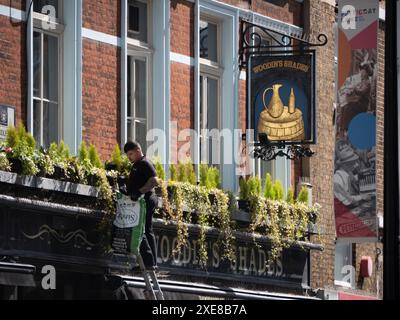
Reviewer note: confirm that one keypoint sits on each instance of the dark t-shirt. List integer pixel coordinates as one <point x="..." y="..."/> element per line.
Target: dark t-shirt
<point x="141" y="172"/>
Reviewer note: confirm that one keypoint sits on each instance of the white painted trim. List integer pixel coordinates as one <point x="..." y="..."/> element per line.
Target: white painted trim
<point x="180" y="58"/>
<point x="382" y="13"/>
<point x="14" y="14"/>
<point x="242" y="75"/>
<point x="101" y="37"/>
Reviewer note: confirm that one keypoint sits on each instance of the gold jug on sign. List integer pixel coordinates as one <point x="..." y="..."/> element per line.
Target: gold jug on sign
<point x="275" y="107"/>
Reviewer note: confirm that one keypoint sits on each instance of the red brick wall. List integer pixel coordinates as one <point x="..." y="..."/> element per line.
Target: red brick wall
<point x="182" y="27"/>
<point x="102" y="15"/>
<point x="101" y="96"/>
<point x="321" y="20"/>
<point x="182" y="75"/>
<point x="13" y="79"/>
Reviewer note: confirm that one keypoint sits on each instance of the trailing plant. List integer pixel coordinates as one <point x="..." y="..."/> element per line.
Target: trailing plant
<point x="4" y="163"/>
<point x="44" y="162"/>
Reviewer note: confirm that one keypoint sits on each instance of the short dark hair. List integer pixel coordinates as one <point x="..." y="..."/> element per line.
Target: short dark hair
<point x="131" y="145"/>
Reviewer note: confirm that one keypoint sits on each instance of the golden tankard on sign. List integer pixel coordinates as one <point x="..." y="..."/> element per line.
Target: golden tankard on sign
<point x="279" y="122"/>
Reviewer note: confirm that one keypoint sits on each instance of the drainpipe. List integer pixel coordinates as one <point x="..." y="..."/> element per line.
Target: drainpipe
<point x="196" y="149"/>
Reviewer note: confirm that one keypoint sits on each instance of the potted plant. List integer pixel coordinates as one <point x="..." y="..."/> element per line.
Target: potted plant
<point x="243" y="201"/>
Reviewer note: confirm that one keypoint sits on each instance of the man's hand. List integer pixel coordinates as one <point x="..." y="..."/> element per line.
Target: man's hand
<point x="136" y="196"/>
<point x="150" y="184"/>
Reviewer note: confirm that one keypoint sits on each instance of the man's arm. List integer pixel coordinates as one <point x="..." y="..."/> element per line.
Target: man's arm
<point x="150" y="184"/>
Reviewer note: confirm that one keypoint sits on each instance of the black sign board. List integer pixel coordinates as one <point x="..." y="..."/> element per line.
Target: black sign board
<point x="251" y="264"/>
<point x="282" y="97"/>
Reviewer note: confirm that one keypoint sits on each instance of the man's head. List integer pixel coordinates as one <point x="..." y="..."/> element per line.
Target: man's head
<point x="133" y="150"/>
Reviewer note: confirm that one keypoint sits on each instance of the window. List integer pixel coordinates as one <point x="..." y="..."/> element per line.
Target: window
<point x="344" y="270"/>
<point x="208" y="40"/>
<point x="137" y="20"/>
<point x="46" y="78"/>
<point x="210" y="92"/>
<point x="38" y="6"/>
<point x="137" y="100"/>
<point x="139" y="71"/>
<point x="209" y="120"/>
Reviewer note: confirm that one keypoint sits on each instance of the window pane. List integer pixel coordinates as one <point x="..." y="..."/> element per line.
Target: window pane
<point x="137" y="86"/>
<point x="39" y="4"/>
<point x="50" y="68"/>
<point x="140" y="133"/>
<point x="140" y="88"/>
<point x="36" y="121"/>
<point x="137" y="20"/>
<point x="36" y="63"/>
<point x="342" y="258"/>
<point x="50" y="123"/>
<point x="130" y="129"/>
<point x="208" y="41"/>
<point x="209" y="119"/>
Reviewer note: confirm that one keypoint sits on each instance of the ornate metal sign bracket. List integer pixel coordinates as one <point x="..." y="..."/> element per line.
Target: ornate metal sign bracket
<point x="273" y="41"/>
<point x="268" y="152"/>
<point x="252" y="42"/>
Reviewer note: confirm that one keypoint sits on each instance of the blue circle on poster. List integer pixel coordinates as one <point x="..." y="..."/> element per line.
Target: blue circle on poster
<point x="362" y="131"/>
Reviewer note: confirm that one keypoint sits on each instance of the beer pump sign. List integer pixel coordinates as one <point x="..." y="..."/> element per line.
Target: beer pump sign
<point x="282" y="98"/>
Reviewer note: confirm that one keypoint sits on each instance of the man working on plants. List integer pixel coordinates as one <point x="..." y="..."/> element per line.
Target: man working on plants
<point x="142" y="180"/>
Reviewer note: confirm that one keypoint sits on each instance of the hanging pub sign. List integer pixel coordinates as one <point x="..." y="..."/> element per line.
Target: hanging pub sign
<point x="281" y="93"/>
<point x="354" y="179"/>
<point x="7" y="118"/>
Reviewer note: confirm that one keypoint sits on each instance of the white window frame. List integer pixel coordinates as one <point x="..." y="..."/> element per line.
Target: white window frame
<point x="214" y="70"/>
<point x="204" y="107"/>
<point x="339" y="282"/>
<point x="57" y="32"/>
<point x="134" y="43"/>
<point x="147" y="57"/>
<point x="143" y="51"/>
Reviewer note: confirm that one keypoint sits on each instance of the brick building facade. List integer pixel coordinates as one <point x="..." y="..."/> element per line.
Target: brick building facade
<point x="112" y="57"/>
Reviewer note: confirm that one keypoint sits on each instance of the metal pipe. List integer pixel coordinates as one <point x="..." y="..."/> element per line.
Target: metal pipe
<point x="193" y="288"/>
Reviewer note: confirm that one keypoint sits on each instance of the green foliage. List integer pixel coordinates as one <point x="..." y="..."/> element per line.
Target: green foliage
<point x="116" y="158"/>
<point x="83" y="152"/>
<point x="290" y="196"/>
<point x="244" y="189"/>
<point x="173" y="172"/>
<point x="94" y="157"/>
<point x="203" y="174"/>
<point x="303" y="195"/>
<point x="4" y="163"/>
<point x="254" y="184"/>
<point x="126" y="166"/>
<point x="12" y="137"/>
<point x="63" y="150"/>
<point x="159" y="168"/>
<point x="190" y="173"/>
<point x="279" y="194"/>
<point x="182" y="176"/>
<point x="268" y="187"/>
<point x="209" y="177"/>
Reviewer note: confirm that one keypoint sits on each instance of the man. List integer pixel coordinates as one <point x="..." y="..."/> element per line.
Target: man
<point x="346" y="186"/>
<point x="142" y="180"/>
